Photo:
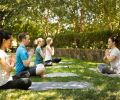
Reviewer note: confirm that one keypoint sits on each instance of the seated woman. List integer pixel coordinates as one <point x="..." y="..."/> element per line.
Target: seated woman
<point x="39" y="56"/>
<point x="6" y="65"/>
<point x="112" y="57"/>
<point x="49" y="52"/>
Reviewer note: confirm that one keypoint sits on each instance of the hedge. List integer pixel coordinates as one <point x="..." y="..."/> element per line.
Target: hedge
<point x="90" y="40"/>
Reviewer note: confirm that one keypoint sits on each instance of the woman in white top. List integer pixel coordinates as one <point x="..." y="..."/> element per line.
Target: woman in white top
<point x="6" y="65"/>
<point x="49" y="52"/>
<point x="112" y="57"/>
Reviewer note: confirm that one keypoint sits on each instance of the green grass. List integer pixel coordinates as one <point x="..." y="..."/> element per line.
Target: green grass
<point x="104" y="88"/>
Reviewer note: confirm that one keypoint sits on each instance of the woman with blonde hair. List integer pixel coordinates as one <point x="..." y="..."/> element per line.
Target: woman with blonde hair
<point x="39" y="56"/>
<point x="49" y="52"/>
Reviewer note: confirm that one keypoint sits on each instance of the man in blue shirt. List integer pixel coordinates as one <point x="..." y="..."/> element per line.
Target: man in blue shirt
<point x="23" y="58"/>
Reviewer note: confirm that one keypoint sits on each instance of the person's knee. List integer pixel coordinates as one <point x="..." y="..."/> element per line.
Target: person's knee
<point x="101" y="67"/>
<point x="40" y="69"/>
<point x="24" y="83"/>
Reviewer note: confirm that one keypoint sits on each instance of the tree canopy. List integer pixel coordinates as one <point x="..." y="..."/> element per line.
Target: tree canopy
<point x="51" y="17"/>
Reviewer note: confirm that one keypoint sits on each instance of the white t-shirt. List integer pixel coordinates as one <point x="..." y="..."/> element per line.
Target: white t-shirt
<point x="3" y="76"/>
<point x="116" y="63"/>
<point x="48" y="55"/>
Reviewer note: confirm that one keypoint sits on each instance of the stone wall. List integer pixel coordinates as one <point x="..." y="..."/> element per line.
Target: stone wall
<point x="82" y="54"/>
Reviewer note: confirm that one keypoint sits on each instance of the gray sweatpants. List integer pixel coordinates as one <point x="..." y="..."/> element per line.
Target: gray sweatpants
<point x="104" y="68"/>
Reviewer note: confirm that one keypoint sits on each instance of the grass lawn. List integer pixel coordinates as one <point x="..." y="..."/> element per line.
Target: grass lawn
<point x="104" y="88"/>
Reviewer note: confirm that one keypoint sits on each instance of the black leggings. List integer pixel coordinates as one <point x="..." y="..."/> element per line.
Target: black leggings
<point x="54" y="60"/>
<point x="18" y="82"/>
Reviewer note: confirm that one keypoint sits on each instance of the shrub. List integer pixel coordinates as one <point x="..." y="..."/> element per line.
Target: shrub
<point x="90" y="40"/>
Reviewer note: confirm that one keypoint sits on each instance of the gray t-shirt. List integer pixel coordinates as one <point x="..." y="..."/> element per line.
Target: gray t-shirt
<point x="116" y="63"/>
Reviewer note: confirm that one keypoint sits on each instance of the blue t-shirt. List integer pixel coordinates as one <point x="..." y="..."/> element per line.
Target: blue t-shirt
<point x="38" y="57"/>
<point x="21" y="54"/>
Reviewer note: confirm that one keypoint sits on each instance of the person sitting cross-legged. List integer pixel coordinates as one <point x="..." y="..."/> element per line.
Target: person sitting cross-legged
<point x="39" y="55"/>
<point x="7" y="62"/>
<point x="23" y="57"/>
<point x="49" y="52"/>
<point x="112" y="58"/>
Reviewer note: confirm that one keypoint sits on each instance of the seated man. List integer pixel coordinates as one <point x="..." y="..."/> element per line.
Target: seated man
<point x="112" y="57"/>
<point x="23" y="58"/>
